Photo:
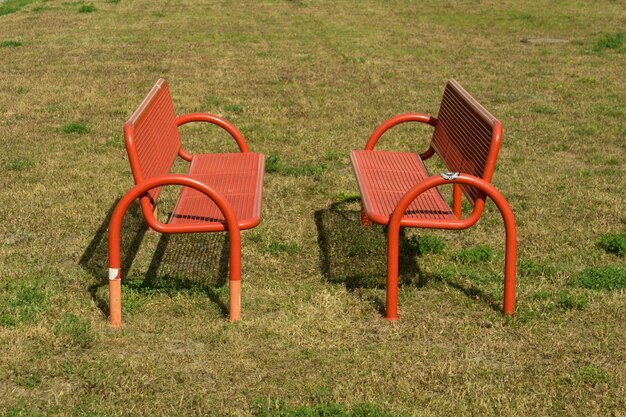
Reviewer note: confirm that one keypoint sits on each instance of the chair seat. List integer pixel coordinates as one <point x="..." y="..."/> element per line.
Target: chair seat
<point x="238" y="177"/>
<point x="385" y="177"/>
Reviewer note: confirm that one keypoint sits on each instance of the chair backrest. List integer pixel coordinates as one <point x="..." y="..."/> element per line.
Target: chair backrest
<point x="151" y="135"/>
<point x="467" y="137"/>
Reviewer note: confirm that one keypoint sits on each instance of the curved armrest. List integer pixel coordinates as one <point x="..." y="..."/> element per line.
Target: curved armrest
<point x="216" y="120"/>
<point x="169" y="179"/>
<point x="401" y="118"/>
<point x="450" y="178"/>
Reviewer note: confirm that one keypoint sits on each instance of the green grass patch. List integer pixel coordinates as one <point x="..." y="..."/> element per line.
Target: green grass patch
<point x="20" y="164"/>
<point x="139" y="290"/>
<point x="353" y="59"/>
<point x="304" y="170"/>
<point x="75" y="331"/>
<point x="363" y="247"/>
<point x="587" y="375"/>
<point x="612" y="42"/>
<point x="530" y="268"/>
<point x="29" y="381"/>
<point x="607" y="278"/>
<point x="10" y="44"/>
<point x="234" y="108"/>
<point x="334" y="156"/>
<point x="586" y="129"/>
<point x="569" y="301"/>
<point x="79" y="127"/>
<point x="321" y="410"/>
<point x="544" y="109"/>
<point x="116" y="141"/>
<point x="22" y="300"/>
<point x="164" y="284"/>
<point x="613" y="243"/>
<point x="12" y="6"/>
<point x="592" y="375"/>
<point x="273" y="164"/>
<point x="604" y="110"/>
<point x="272" y="247"/>
<point x="211" y="104"/>
<point x="523" y="314"/>
<point x="345" y="197"/>
<point x="213" y="101"/>
<point x="564" y="300"/>
<point x="541" y="295"/>
<point x="22" y="412"/>
<point x="87" y="8"/>
<point x="426" y="244"/>
<point x="275" y="248"/>
<point x="479" y="254"/>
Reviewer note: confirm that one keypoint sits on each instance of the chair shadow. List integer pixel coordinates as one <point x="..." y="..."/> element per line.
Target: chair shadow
<point x="356" y="256"/>
<point x="475" y="293"/>
<point x="179" y="263"/>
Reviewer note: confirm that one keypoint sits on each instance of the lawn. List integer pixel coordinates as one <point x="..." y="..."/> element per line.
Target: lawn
<point x="306" y="82"/>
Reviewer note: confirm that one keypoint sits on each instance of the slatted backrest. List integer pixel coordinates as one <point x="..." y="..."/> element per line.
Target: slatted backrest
<point x="467" y="137"/>
<point x="152" y="138"/>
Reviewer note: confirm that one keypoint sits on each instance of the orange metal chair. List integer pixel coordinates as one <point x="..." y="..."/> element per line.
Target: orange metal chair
<point x="397" y="190"/>
<point x="221" y="192"/>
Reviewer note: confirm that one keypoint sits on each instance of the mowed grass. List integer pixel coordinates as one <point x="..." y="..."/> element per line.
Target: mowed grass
<point x="306" y="82"/>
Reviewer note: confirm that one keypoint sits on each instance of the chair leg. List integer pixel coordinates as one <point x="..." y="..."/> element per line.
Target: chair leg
<point x="510" y="261"/>
<point x="115" y="301"/>
<point x="234" y="290"/>
<point x="393" y="249"/>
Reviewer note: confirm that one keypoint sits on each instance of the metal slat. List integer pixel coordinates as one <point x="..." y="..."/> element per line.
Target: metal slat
<point x="385" y="177"/>
<point x="236" y="177"/>
<point x="155" y="135"/>
<point x="463" y="135"/>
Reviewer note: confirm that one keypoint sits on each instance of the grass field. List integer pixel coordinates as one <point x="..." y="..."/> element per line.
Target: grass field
<point x="306" y="82"/>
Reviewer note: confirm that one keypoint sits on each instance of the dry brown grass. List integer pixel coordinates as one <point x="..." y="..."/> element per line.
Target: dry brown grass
<point x="308" y="81"/>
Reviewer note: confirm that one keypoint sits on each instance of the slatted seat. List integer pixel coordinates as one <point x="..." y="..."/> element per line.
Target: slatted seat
<point x="238" y="177"/>
<point x="397" y="190"/>
<point x="221" y="192"/>
<point x="387" y="177"/>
